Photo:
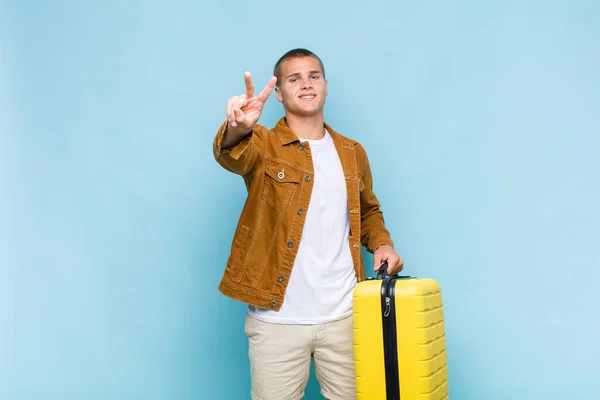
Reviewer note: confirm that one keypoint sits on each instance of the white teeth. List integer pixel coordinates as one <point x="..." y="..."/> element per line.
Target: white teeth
<point x="307" y="97"/>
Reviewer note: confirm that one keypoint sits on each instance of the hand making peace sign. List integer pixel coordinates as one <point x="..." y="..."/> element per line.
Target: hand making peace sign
<point x="243" y="112"/>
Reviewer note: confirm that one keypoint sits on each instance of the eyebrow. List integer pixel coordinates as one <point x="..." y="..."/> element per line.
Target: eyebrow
<point x="298" y="73"/>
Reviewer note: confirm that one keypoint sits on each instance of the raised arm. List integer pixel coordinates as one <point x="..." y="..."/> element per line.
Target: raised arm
<point x="237" y="145"/>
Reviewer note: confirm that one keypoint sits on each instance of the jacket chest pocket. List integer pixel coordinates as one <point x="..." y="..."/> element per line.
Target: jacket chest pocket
<point x="281" y="183"/>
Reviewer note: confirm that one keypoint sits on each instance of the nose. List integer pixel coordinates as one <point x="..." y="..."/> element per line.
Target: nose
<point x="306" y="84"/>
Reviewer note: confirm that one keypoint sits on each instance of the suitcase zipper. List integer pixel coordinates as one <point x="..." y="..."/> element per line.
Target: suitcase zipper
<point x="390" y="345"/>
<point x="387" y="307"/>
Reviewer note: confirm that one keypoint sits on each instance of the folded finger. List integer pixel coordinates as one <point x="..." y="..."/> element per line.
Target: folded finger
<point x="234" y="119"/>
<point x="239" y="115"/>
<point x="230" y="107"/>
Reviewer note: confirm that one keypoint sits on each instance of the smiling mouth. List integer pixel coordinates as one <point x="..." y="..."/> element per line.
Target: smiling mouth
<point x="308" y="96"/>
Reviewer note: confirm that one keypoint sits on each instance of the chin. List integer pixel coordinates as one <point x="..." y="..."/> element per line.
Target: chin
<point x="309" y="111"/>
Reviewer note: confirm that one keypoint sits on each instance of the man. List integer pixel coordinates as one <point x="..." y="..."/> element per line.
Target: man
<point x="295" y="256"/>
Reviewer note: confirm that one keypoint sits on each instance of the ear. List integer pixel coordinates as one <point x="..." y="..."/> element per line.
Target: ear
<point x="278" y="94"/>
<point x="326" y="88"/>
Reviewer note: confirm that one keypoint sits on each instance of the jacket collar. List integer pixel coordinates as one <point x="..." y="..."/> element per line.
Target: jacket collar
<point x="286" y="134"/>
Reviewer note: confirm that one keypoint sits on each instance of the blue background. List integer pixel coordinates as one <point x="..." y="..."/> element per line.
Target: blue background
<point x="481" y="120"/>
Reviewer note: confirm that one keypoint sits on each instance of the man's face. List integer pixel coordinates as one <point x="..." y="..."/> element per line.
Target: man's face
<point x="302" y="87"/>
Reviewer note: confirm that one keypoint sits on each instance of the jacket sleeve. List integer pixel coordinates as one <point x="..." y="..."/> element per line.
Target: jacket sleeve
<point x="373" y="232"/>
<point x="243" y="158"/>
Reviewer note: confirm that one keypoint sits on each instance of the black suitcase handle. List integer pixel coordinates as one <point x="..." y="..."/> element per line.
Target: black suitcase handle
<point x="381" y="272"/>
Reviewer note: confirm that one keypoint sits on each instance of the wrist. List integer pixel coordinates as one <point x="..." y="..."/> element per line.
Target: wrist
<point x="237" y="131"/>
<point x="234" y="135"/>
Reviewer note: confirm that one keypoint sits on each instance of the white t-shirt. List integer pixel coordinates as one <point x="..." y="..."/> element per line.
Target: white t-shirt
<point x="323" y="278"/>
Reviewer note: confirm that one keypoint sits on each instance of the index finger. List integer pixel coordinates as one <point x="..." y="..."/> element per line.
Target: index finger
<point x="264" y="95"/>
<point x="249" y="85"/>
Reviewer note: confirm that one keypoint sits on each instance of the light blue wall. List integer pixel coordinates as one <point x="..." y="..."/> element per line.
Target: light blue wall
<point x="481" y="121"/>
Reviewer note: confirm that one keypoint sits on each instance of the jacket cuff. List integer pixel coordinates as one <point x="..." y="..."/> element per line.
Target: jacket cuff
<point x="380" y="242"/>
<point x="235" y="151"/>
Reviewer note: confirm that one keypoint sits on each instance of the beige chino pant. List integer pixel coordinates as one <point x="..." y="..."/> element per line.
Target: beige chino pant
<point x="280" y="357"/>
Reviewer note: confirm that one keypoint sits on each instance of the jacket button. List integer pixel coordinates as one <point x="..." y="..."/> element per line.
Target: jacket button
<point x="299" y="211"/>
<point x="301" y="146"/>
<point x="273" y="303"/>
<point x="307" y="178"/>
<point x="280" y="278"/>
<point x="290" y="243"/>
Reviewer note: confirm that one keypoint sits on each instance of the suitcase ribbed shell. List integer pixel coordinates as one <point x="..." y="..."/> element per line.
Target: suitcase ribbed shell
<point x="420" y="339"/>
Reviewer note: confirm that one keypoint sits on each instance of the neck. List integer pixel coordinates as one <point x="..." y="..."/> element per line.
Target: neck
<point x="311" y="128"/>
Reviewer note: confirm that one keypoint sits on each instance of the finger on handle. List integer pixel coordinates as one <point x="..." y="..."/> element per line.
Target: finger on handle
<point x="392" y="264"/>
<point x="377" y="261"/>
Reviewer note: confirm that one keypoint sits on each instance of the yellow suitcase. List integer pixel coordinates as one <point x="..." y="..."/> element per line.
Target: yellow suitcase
<point x="399" y="339"/>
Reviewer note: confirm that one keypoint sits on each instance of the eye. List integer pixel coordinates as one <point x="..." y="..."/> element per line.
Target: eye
<point x="315" y="76"/>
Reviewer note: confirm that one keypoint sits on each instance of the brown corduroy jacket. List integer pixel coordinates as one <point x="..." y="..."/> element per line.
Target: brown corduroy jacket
<point x="278" y="171"/>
